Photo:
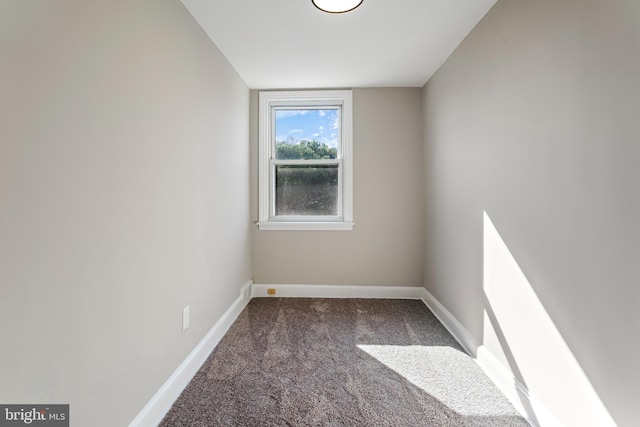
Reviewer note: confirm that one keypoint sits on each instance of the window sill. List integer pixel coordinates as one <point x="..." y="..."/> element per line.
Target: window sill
<point x="306" y="226"/>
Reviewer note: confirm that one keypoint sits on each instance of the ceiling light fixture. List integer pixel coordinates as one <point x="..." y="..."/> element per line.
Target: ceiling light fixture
<point x="336" y="6"/>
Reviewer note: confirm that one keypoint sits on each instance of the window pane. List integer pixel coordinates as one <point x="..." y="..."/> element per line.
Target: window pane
<point x="307" y="133"/>
<point x="306" y="190"/>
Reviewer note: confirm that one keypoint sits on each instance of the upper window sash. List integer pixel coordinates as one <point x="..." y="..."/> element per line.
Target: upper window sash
<point x="276" y="108"/>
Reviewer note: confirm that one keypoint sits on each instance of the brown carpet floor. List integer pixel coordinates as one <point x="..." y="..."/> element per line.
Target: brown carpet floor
<point x="340" y="362"/>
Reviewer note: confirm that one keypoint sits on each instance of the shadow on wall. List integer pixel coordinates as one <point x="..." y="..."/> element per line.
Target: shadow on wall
<point x="519" y="332"/>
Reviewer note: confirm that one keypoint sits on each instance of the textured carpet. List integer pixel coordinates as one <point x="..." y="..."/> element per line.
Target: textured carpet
<point x="340" y="362"/>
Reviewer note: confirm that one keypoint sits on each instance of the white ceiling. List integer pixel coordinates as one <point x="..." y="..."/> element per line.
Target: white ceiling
<point x="291" y="44"/>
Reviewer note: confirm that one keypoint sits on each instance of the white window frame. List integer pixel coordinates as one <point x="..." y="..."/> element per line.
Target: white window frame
<point x="268" y="101"/>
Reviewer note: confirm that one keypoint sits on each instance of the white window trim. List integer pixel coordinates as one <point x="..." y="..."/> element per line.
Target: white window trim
<point x="267" y="100"/>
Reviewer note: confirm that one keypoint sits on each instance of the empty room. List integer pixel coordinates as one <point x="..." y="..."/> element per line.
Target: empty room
<point x="320" y="213"/>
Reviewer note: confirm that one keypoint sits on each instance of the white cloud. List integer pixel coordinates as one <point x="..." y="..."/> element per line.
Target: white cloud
<point x="321" y="113"/>
<point x="315" y="135"/>
<point x="292" y="131"/>
<point x="280" y="114"/>
<point x="320" y="128"/>
<point x="331" y="142"/>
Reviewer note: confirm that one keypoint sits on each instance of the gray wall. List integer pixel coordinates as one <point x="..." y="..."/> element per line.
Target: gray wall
<point x="386" y="244"/>
<point x="534" y="120"/>
<point x="123" y="128"/>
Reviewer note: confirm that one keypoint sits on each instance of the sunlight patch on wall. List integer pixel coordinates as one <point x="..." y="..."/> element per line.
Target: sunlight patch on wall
<point x="449" y="375"/>
<point x="520" y="333"/>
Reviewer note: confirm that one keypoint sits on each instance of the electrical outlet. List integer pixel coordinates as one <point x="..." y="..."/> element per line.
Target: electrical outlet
<point x="271" y="291"/>
<point x="185" y="318"/>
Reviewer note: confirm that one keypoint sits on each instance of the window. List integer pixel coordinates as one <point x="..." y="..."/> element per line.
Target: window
<point x="305" y="154"/>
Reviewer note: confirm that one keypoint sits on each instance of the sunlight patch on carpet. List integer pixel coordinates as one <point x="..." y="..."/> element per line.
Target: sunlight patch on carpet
<point x="445" y="373"/>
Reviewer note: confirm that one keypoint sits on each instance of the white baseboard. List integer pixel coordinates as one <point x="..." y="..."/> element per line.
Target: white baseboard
<point x="161" y="402"/>
<point x="455" y="328"/>
<point x="338" y="291"/>
<point x="527" y="404"/>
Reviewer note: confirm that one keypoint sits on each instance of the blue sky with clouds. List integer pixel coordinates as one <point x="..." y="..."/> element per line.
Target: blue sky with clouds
<point x="296" y="125"/>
